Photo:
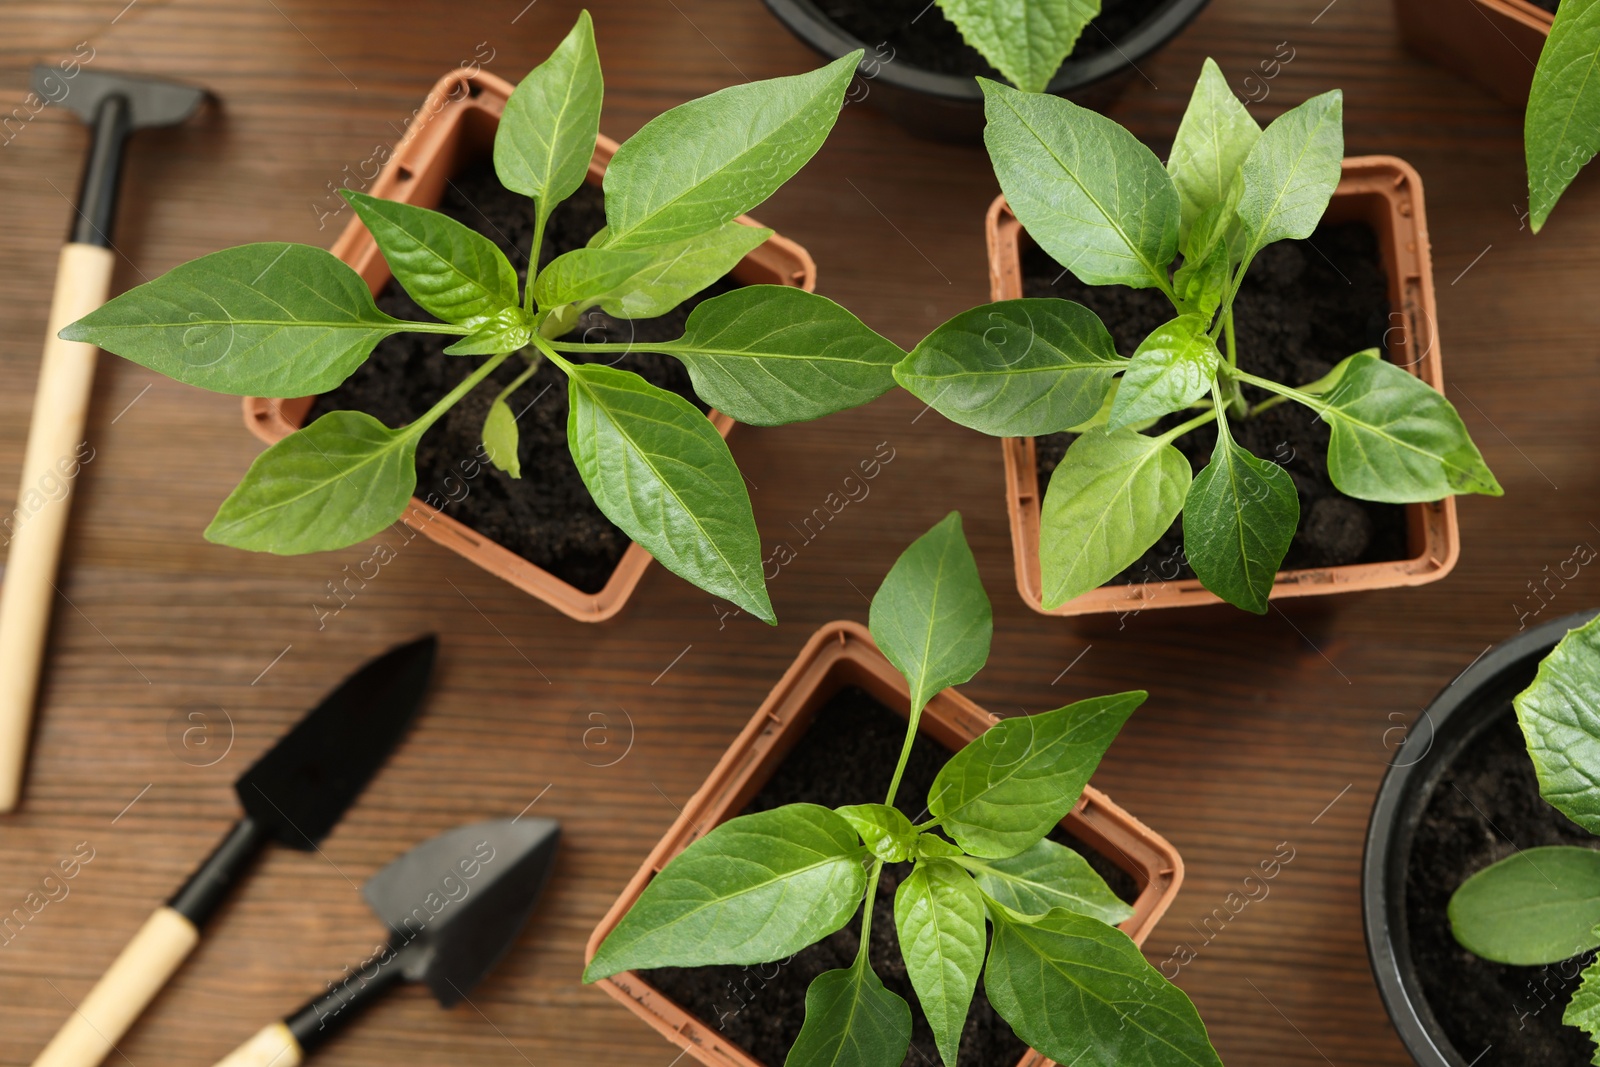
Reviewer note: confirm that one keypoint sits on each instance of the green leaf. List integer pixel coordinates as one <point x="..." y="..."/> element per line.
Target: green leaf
<point x="1112" y="497"/>
<point x="1560" y="717"/>
<point x="547" y="132"/>
<point x="1213" y="141"/>
<point x="1583" y="1011"/>
<point x="1043" y="877"/>
<point x="886" y="830"/>
<point x="931" y="617"/>
<point x="1171" y="369"/>
<point x="1081" y="992"/>
<point x="450" y="270"/>
<point x="1291" y="172"/>
<point x="703" y="163"/>
<point x="272" y="319"/>
<point x="851" y="1021"/>
<point x="1238" y="520"/>
<point x="500" y="438"/>
<point x="1397" y="440"/>
<point x="938" y="913"/>
<point x="658" y="469"/>
<point x="675" y="271"/>
<point x="334" y="483"/>
<point x="1026" y="40"/>
<point x="1018" y="368"/>
<point x="755" y="889"/>
<point x="505" y="331"/>
<point x="1202" y="283"/>
<point x="1562" y="130"/>
<point x="584" y="275"/>
<point x="1007" y="789"/>
<point x="1537" y="906"/>
<point x="932" y="846"/>
<point x="773" y="354"/>
<point x="1089" y="193"/>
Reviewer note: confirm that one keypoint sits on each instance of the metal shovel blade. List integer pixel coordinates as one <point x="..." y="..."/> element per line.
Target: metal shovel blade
<point x="454" y="904"/>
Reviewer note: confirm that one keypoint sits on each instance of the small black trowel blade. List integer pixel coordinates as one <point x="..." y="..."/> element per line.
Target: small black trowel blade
<point x="455" y="904"/>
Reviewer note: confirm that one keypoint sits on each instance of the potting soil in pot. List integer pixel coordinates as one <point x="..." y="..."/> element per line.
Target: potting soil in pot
<point x="911" y="33"/>
<point x="547" y="517"/>
<point x="1487" y="799"/>
<point x="1303" y="307"/>
<point x="847" y="757"/>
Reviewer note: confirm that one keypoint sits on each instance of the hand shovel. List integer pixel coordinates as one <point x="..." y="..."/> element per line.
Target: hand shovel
<point x="453" y="906"/>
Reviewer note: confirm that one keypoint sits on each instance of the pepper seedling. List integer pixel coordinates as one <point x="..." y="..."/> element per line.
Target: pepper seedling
<point x="761" y="887"/>
<point x="1101" y="203"/>
<point x="1025" y="40"/>
<point x="289" y="320"/>
<point x="1561" y="129"/>
<point x="1542" y="905"/>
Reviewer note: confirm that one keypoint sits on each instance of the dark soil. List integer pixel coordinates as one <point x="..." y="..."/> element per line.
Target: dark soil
<point x="1487" y="799"/>
<point x="547" y="517"/>
<point x="847" y="757"/>
<point x="932" y="42"/>
<point x="1303" y="306"/>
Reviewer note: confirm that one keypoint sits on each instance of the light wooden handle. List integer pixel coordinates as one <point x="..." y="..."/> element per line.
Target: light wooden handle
<point x="123" y="992"/>
<point x="36" y="527"/>
<point x="273" y="1046"/>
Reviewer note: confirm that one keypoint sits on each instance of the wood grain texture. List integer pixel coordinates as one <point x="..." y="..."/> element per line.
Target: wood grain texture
<point x="1258" y="731"/>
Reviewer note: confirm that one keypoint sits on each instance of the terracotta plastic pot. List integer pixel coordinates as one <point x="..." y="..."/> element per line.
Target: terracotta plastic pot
<point x="455" y="127"/>
<point x="1470" y="704"/>
<point x="1495" y="43"/>
<point x="842" y="654"/>
<point x="949" y="107"/>
<point x="1386" y="194"/>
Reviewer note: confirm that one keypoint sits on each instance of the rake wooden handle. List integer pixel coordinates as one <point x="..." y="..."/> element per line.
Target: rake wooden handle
<point x="123" y="992"/>
<point x="60" y="406"/>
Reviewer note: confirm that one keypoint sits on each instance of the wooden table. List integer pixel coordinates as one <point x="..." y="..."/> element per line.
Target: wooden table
<point x="1258" y="731"/>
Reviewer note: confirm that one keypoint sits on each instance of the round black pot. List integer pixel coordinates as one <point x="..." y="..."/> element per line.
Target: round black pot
<point x="1468" y="706"/>
<point x="949" y="107"/>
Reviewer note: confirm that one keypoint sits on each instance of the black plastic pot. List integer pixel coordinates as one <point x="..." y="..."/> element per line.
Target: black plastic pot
<point x="1477" y="699"/>
<point x="949" y="107"/>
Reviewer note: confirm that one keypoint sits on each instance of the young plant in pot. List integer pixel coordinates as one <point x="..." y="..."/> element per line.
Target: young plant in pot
<point x="286" y="320"/>
<point x="987" y="893"/>
<point x="1541" y="905"/>
<point x="1102" y="205"/>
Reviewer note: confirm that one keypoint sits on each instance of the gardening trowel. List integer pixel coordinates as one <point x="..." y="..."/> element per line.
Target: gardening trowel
<point x="453" y="906"/>
<point x="115" y="106"/>
<point x="293" y="795"/>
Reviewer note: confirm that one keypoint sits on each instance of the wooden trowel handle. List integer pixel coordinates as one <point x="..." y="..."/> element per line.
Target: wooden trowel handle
<point x="36" y="527"/>
<point x="123" y="992"/>
<point x="273" y="1046"/>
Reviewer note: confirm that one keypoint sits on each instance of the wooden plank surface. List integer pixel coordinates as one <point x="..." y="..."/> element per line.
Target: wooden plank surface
<point x="1259" y="731"/>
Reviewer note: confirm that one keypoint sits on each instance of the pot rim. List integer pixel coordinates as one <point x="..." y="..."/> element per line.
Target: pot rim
<point x="1399" y="800"/>
<point x="816" y="29"/>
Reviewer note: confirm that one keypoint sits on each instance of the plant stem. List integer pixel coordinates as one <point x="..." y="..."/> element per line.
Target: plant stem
<point x="450" y="399"/>
<point x="905" y="755"/>
<point x="1183" y="428"/>
<point x="539" y="217"/>
<point x="608" y="346"/>
<point x="437" y="327"/>
<point x="1284" y="391"/>
<point x="1270" y="402"/>
<point x="535" y="361"/>
<point x="866" y="909"/>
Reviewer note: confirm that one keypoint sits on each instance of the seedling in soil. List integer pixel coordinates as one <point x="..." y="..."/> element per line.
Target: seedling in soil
<point x="988" y="892"/>
<point x="1101" y="203"/>
<point x="288" y="320"/>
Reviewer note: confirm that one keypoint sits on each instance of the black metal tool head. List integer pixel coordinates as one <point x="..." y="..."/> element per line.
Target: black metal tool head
<point x="150" y="101"/>
<point x="302" y="785"/>
<point x="454" y="904"/>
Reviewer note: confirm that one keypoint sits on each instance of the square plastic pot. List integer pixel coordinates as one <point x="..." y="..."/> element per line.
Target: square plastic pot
<point x="842" y="654"/>
<point x="455" y="127"/>
<point x="1495" y="43"/>
<point x="1386" y="194"/>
